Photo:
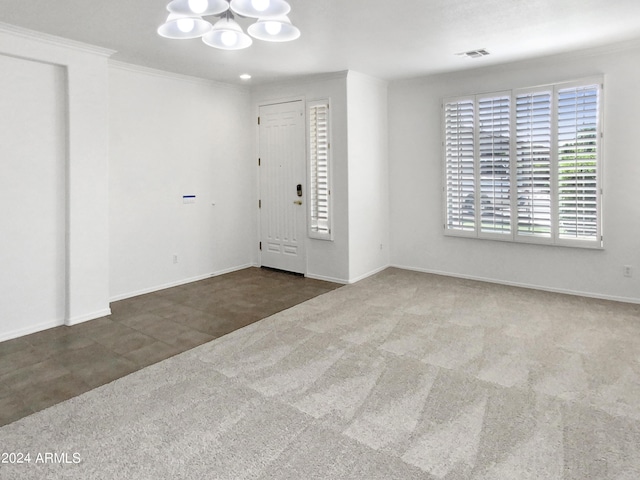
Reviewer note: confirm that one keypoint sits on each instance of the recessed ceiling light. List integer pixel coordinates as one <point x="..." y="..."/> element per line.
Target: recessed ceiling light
<point x="481" y="52"/>
<point x="245" y="76"/>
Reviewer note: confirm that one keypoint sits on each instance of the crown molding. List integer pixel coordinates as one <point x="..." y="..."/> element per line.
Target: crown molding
<point x="54" y="40"/>
<point x="301" y="79"/>
<point x="615" y="48"/>
<point x="131" y="67"/>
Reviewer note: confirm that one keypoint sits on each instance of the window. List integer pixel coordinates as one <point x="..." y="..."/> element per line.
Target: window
<point x="532" y="159"/>
<point x="319" y="170"/>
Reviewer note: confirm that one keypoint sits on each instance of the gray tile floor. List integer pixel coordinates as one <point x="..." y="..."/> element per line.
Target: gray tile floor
<point x="45" y="368"/>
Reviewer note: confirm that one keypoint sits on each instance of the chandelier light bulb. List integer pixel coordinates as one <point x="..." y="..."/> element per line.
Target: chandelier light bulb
<point x="273" y="28"/>
<point x="229" y="38"/>
<point x="260" y="5"/>
<point x="198" y="6"/>
<point x="186" y="25"/>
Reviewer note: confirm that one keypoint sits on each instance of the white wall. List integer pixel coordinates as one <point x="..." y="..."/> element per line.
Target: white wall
<point x="327" y="260"/>
<point x="368" y="175"/>
<point x="172" y="136"/>
<point x="86" y="279"/>
<point x="416" y="180"/>
<point x="33" y="149"/>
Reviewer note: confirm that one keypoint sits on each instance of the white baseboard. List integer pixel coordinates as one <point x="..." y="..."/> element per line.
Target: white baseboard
<point x="347" y="282"/>
<point x="327" y="279"/>
<point x="523" y="285"/>
<point x="368" y="274"/>
<point x="29" y="330"/>
<point x="89" y="316"/>
<point x="177" y="283"/>
<point x="21" y="332"/>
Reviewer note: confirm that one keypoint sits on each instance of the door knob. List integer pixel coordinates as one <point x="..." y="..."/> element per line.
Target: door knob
<point x="298" y="202"/>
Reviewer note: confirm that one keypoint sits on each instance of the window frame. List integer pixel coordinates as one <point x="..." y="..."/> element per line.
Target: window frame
<point x="514" y="236"/>
<point x="312" y="230"/>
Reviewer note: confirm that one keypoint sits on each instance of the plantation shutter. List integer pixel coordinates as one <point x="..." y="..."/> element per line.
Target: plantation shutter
<point x="524" y="165"/>
<point x="577" y="117"/>
<point x="459" y="165"/>
<point x="319" y="202"/>
<point x="495" y="177"/>
<point x="533" y="166"/>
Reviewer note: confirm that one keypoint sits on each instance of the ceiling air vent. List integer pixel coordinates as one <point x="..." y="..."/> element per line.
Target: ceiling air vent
<point x="481" y="52"/>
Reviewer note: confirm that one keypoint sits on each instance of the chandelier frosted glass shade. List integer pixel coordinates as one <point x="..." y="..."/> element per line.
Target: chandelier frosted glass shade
<point x="201" y="8"/>
<point x="260" y="8"/>
<point x="179" y="27"/>
<point x="226" y="34"/>
<point x="278" y="29"/>
<point x="272" y="24"/>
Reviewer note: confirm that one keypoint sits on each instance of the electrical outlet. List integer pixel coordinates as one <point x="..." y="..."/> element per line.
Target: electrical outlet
<point x="175" y="259"/>
<point x="627" y="271"/>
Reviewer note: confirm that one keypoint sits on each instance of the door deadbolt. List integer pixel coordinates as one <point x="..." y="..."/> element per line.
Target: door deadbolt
<point x="299" y="189"/>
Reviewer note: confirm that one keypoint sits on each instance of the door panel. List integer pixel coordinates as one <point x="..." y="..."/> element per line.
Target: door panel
<point x="282" y="169"/>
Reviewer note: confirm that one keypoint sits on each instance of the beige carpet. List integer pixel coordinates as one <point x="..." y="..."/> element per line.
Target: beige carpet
<point x="401" y="376"/>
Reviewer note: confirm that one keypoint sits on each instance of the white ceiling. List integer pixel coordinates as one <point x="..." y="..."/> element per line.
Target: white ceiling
<point x="386" y="39"/>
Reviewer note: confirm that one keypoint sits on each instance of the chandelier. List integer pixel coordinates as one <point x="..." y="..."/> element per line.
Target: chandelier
<point x="185" y="21"/>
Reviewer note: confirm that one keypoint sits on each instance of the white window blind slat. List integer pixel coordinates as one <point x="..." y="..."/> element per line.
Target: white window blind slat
<point x="459" y="165"/>
<point x="494" y="158"/>
<point x="577" y="162"/>
<point x="319" y="170"/>
<point x="533" y="168"/>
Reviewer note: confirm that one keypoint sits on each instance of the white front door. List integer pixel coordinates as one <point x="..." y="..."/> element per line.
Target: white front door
<point x="282" y="186"/>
